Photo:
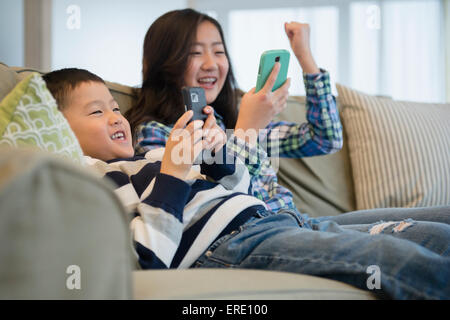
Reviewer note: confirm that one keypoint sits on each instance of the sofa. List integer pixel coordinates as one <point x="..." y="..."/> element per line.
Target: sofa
<point x="65" y="234"/>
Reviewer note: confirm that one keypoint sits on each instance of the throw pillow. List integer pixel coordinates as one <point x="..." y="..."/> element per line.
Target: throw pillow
<point x="399" y="151"/>
<point x="29" y="117"/>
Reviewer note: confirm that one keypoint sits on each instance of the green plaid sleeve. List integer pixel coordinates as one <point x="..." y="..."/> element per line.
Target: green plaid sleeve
<point x="322" y="134"/>
<point x="250" y="155"/>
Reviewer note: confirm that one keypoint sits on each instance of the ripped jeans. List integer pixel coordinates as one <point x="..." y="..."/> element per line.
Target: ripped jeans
<point x="396" y="253"/>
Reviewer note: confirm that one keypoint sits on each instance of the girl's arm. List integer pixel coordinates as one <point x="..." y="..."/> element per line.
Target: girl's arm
<point x="322" y="134"/>
<point x="298" y="35"/>
<point x="220" y="162"/>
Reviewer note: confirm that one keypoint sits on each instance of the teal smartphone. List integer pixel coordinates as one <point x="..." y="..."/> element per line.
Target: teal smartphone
<point x="266" y="64"/>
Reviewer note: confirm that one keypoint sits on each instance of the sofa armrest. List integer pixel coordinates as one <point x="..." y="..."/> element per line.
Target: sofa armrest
<point x="63" y="231"/>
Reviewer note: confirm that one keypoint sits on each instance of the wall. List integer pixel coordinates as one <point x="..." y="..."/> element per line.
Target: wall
<point x="104" y="36"/>
<point x="11" y="32"/>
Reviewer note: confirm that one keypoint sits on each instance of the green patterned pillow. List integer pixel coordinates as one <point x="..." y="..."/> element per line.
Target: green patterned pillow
<point x="29" y="117"/>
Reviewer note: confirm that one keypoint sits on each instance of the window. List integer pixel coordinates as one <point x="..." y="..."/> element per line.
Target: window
<point x="264" y="30"/>
<point x="390" y="47"/>
<point x="402" y="56"/>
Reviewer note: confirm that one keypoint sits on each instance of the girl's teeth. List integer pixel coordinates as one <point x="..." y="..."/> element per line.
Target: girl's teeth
<point x="207" y="80"/>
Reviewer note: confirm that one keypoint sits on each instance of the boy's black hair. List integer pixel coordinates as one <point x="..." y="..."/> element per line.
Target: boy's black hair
<point x="61" y="82"/>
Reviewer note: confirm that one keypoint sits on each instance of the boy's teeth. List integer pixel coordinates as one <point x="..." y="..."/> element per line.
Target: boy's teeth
<point x="118" y="135"/>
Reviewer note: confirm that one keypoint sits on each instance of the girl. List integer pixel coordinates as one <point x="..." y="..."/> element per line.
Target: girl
<point x="187" y="48"/>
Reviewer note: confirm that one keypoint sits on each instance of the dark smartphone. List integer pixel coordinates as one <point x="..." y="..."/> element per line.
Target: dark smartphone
<point x="194" y="99"/>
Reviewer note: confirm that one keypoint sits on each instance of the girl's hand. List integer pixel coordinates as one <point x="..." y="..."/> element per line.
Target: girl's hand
<point x="183" y="146"/>
<point x="258" y="109"/>
<point x="213" y="134"/>
<point x="298" y="34"/>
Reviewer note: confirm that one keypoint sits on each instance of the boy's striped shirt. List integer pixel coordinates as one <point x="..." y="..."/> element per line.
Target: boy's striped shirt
<point x="173" y="221"/>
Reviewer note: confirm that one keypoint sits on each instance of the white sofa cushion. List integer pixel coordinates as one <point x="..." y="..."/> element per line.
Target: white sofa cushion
<point x="239" y="284"/>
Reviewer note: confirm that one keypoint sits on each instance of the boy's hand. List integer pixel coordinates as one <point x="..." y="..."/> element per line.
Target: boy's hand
<point x="213" y="134"/>
<point x="183" y="146"/>
<point x="298" y="34"/>
<point x="258" y="109"/>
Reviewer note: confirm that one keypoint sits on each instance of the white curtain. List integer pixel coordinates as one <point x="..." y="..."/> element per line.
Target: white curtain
<point x="396" y="48"/>
<point x="254" y="31"/>
<point x="447" y="45"/>
<point x="413" y="65"/>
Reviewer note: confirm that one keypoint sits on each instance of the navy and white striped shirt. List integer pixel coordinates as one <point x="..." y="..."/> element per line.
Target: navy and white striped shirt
<point x="174" y="221"/>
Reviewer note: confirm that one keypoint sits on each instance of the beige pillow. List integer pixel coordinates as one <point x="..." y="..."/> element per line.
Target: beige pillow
<point x="399" y="151"/>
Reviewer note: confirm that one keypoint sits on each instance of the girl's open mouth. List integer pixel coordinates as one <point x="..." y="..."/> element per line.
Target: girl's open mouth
<point x="207" y="82"/>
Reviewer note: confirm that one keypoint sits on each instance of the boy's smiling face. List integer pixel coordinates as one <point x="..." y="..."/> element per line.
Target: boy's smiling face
<point x="95" y="118"/>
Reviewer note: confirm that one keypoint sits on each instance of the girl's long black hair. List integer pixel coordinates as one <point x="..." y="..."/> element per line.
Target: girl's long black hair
<point x="165" y="60"/>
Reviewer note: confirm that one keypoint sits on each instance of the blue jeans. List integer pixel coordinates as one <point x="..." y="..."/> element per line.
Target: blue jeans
<point x="409" y="249"/>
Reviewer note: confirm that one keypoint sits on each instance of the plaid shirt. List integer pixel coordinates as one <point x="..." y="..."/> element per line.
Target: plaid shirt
<point x="322" y="134"/>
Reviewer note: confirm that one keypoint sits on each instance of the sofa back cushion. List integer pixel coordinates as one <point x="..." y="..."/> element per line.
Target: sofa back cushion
<point x="8" y="80"/>
<point x="321" y="185"/>
<point x="124" y="95"/>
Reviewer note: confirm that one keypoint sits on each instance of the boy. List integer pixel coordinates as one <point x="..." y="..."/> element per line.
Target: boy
<point x="187" y="216"/>
<point x="153" y="185"/>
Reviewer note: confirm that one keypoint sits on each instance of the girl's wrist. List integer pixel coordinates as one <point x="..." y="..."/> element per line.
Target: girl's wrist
<point x="307" y="63"/>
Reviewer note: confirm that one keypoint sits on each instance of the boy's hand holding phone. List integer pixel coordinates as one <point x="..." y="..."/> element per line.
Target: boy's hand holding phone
<point x="194" y="99"/>
<point x="188" y="139"/>
<point x="183" y="146"/>
<point x="215" y="137"/>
